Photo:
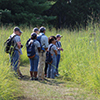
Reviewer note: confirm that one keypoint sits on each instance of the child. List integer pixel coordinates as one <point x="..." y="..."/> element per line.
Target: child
<point x="58" y="45"/>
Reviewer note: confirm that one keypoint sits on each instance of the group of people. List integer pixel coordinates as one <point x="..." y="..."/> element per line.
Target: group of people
<point x="39" y="69"/>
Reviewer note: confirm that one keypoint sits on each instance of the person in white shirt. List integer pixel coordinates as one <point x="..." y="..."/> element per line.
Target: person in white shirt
<point x="42" y="54"/>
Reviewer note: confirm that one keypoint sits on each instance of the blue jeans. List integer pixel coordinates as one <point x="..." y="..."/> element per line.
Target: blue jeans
<point x="14" y="59"/>
<point x="57" y="64"/>
<point x="51" y="70"/>
<point x="34" y="63"/>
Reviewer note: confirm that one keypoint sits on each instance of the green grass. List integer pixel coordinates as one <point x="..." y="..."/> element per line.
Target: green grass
<point x="80" y="60"/>
<point x="9" y="85"/>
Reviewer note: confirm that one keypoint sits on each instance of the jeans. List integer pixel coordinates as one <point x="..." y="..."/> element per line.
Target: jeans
<point x="34" y="63"/>
<point x="14" y="59"/>
<point x="51" y="70"/>
<point x="57" y="64"/>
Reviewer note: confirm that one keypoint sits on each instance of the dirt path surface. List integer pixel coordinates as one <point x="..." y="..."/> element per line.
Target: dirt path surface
<point x="51" y="89"/>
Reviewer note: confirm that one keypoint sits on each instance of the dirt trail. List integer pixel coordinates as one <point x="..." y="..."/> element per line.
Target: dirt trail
<point x="51" y="89"/>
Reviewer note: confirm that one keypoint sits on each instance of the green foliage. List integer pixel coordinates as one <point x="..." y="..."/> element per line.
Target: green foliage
<point x="9" y="85"/>
<point x="29" y="12"/>
<point x="81" y="57"/>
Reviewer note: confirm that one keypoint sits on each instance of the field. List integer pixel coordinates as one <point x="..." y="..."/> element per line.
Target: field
<point x="80" y="60"/>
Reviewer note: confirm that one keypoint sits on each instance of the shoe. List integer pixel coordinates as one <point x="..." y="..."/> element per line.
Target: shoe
<point x="36" y="78"/>
<point x="31" y="78"/>
<point x="45" y="75"/>
<point x="56" y="75"/>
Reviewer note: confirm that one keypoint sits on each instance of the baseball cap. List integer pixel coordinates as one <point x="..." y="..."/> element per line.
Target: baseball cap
<point x="42" y="29"/>
<point x="58" y="35"/>
<point x="17" y="29"/>
<point x="33" y="35"/>
<point x="35" y="29"/>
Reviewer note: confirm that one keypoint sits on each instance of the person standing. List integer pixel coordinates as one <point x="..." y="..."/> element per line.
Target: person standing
<point x="14" y="57"/>
<point x="58" y="45"/>
<point x="51" y="70"/>
<point x="36" y="30"/>
<point x="34" y="61"/>
<point x="42" y="54"/>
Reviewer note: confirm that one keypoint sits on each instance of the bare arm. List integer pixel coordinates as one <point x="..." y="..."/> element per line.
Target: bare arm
<point x="19" y="44"/>
<point x="55" y="52"/>
<point x="39" y="49"/>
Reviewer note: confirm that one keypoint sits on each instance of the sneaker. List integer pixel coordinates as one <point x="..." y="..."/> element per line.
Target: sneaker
<point x="45" y="75"/>
<point x="56" y="75"/>
<point x="36" y="78"/>
<point x="31" y="78"/>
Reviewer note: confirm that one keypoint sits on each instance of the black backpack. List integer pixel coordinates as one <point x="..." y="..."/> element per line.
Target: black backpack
<point x="30" y="49"/>
<point x="9" y="45"/>
<point x="48" y="56"/>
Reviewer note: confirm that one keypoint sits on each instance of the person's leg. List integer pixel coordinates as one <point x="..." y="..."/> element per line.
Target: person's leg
<point x="18" y="70"/>
<point x="57" y="64"/>
<point x="31" y="67"/>
<point x="15" y="60"/>
<point x="36" y="60"/>
<point x="41" y="65"/>
<point x="48" y="71"/>
<point x="45" y="69"/>
<point x="53" y="67"/>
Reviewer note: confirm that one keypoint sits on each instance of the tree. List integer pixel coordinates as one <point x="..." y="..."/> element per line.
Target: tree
<point x="26" y="11"/>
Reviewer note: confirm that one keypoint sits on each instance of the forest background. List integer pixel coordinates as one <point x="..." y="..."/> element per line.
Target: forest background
<point x="54" y="13"/>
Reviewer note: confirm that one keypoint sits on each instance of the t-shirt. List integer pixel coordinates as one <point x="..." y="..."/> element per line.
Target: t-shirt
<point x="58" y="45"/>
<point x="52" y="48"/>
<point x="16" y="39"/>
<point x="36" y="44"/>
<point x="44" y="40"/>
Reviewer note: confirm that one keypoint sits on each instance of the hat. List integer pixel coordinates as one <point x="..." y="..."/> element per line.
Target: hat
<point x="17" y="29"/>
<point x="33" y="35"/>
<point x="42" y="29"/>
<point x="35" y="29"/>
<point x="58" y="35"/>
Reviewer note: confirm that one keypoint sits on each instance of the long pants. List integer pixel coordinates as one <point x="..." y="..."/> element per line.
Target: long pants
<point x="41" y="65"/>
<point x="51" y="70"/>
<point x="14" y="58"/>
<point x="57" y="64"/>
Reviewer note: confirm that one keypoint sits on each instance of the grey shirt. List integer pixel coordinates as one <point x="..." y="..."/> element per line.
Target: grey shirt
<point x="37" y="45"/>
<point x="52" y="48"/>
<point x="44" y="40"/>
<point x="58" y="45"/>
<point x="16" y="39"/>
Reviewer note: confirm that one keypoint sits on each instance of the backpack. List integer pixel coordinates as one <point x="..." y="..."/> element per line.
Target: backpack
<point x="9" y="46"/>
<point x="39" y="39"/>
<point x="48" y="56"/>
<point x="30" y="49"/>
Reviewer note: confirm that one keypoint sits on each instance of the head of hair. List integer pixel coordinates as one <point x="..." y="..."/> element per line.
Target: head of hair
<point x="42" y="29"/>
<point x="50" y="40"/>
<point x="33" y="36"/>
<point x="53" y="37"/>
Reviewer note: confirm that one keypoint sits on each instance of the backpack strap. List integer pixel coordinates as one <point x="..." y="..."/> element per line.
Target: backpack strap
<point x="50" y="47"/>
<point x="58" y="44"/>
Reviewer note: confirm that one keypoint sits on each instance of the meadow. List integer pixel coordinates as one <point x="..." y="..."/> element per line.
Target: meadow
<point x="80" y="60"/>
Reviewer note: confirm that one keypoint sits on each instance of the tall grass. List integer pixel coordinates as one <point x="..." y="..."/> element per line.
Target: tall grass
<point x="81" y="58"/>
<point x="9" y="86"/>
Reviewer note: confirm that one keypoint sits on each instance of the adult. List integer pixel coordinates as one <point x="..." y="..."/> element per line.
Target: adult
<point x="46" y="64"/>
<point x="51" y="70"/>
<point x="36" y="30"/>
<point x="34" y="61"/>
<point x="42" y="54"/>
<point x="14" y="57"/>
<point x="58" y="45"/>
